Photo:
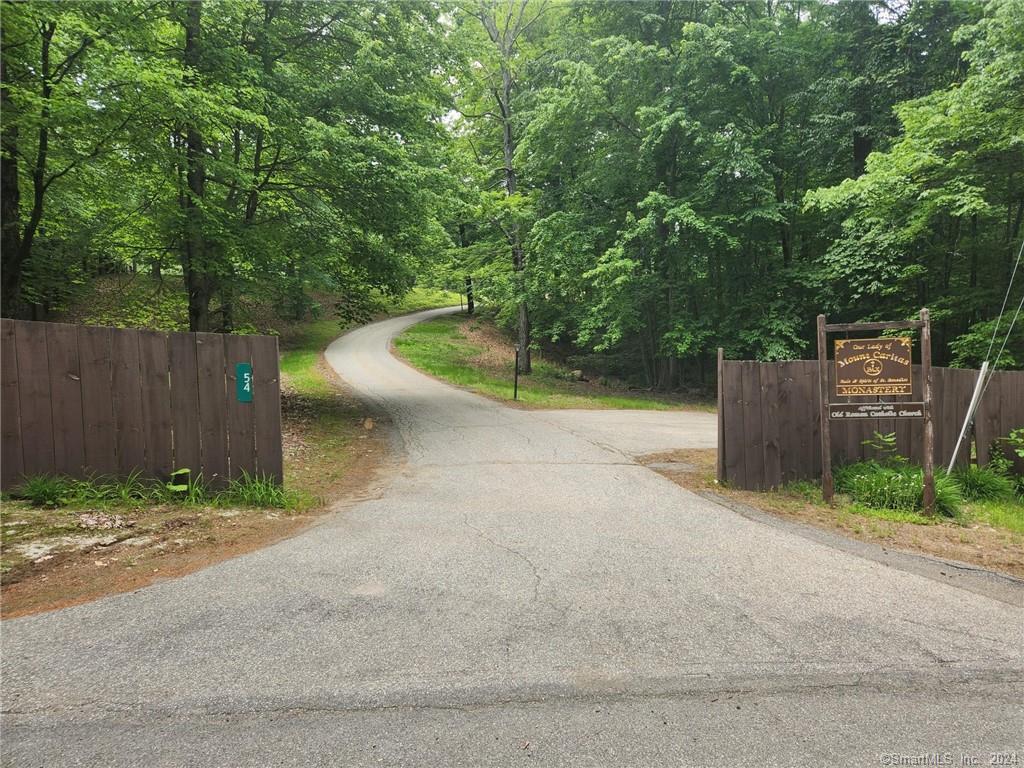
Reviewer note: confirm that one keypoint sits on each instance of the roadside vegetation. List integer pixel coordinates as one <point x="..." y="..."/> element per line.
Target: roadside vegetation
<point x="64" y="540"/>
<point x="471" y="352"/>
<point x="980" y="516"/>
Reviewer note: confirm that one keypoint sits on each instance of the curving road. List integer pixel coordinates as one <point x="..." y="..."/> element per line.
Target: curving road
<point x="520" y="591"/>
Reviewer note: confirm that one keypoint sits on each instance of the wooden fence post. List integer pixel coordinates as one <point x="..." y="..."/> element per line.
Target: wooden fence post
<point x="928" y="459"/>
<point x="720" y="473"/>
<point x="827" y="484"/>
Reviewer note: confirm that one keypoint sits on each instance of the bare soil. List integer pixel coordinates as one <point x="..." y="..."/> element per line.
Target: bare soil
<point x="974" y="543"/>
<point x="56" y="558"/>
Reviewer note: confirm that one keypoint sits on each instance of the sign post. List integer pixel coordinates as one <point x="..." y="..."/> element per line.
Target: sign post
<point x="515" y="385"/>
<point x="876" y="367"/>
<point x="928" y="461"/>
<point x="828" y="488"/>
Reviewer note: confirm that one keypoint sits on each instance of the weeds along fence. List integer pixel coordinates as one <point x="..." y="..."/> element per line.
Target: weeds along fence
<point x="769" y="432"/>
<point x="83" y="400"/>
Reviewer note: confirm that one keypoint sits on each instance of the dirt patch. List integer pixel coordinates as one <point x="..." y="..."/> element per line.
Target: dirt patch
<point x="54" y="558"/>
<point x="974" y="543"/>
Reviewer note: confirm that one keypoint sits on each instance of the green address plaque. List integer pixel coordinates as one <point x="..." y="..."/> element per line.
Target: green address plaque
<point x="243" y="382"/>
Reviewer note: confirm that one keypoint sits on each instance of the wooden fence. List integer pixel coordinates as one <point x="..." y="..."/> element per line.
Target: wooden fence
<point x="769" y="431"/>
<point x="83" y="400"/>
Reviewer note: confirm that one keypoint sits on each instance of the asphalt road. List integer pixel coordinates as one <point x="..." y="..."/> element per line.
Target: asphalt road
<point x="520" y="592"/>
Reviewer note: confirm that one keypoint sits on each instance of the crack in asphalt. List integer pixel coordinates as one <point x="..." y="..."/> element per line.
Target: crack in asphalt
<point x="918" y="680"/>
<point x="514" y="552"/>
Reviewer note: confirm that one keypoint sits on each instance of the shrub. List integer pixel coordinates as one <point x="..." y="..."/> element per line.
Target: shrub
<point x="949" y="499"/>
<point x="44" y="490"/>
<point x="899" y="487"/>
<point x="258" y="491"/>
<point x="982" y="484"/>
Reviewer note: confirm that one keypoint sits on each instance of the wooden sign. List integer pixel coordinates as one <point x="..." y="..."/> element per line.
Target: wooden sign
<point x="873" y="366"/>
<point x="902" y="410"/>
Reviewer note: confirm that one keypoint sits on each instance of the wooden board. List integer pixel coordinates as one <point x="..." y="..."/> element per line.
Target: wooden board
<point x="753" y="452"/>
<point x="34" y="399"/>
<point x="155" y="393"/>
<point x="769" y="401"/>
<point x="66" y="399"/>
<point x="212" y="408"/>
<point x="10" y="411"/>
<point x="733" y="421"/>
<point x="127" y="393"/>
<point x="185" y="403"/>
<point x="97" y="403"/>
<point x="267" y="407"/>
<point x="241" y="417"/>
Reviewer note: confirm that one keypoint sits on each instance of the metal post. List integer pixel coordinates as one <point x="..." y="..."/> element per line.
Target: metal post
<point x="928" y="462"/>
<point x="971" y="409"/>
<point x="827" y="484"/>
<point x="515" y="386"/>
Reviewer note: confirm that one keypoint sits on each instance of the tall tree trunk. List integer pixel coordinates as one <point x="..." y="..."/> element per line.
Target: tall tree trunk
<point x="19" y="257"/>
<point x="10" y="192"/>
<point x="518" y="258"/>
<point x="195" y="253"/>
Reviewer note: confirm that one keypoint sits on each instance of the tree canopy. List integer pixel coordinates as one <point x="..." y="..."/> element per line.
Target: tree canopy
<point x="635" y="184"/>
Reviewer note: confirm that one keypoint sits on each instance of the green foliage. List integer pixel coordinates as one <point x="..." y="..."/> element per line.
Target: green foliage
<point x="183" y="488"/>
<point x="696" y="175"/>
<point x="43" y="490"/>
<point x="899" y="488"/>
<point x="885" y="444"/>
<point x="257" y="491"/>
<point x="650" y="180"/>
<point x="1006" y="514"/>
<point x="204" y="143"/>
<point x="983" y="484"/>
<point x="440" y="348"/>
<point x="1015" y="441"/>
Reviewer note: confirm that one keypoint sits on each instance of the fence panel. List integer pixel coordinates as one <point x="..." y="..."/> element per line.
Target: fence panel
<point x="10" y="411"/>
<point x="127" y="391"/>
<point x="66" y="398"/>
<point x="85" y="400"/>
<point x="240" y="418"/>
<point x="770" y="431"/>
<point x="155" y="388"/>
<point x="267" y="406"/>
<point x="34" y="398"/>
<point x="97" y="400"/>
<point x="212" y="408"/>
<point x="184" y="369"/>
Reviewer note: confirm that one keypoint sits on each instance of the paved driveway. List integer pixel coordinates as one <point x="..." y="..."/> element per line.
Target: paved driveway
<point x="519" y="592"/>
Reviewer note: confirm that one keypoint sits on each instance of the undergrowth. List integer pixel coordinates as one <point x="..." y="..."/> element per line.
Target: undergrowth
<point x="898" y="487"/>
<point x="182" y="489"/>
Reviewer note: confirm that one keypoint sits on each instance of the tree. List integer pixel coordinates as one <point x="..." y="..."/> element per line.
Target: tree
<point x="506" y="23"/>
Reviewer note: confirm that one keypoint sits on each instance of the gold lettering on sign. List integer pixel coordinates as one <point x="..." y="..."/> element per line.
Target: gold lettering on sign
<point x="873" y="366"/>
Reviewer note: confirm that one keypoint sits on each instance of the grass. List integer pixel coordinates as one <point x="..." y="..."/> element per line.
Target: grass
<point x="301" y="350"/>
<point x="134" y="491"/>
<point x="442" y="348"/>
<point x="1003" y="513"/>
<point x="1007" y="514"/>
<point x="898" y="487"/>
<point x="420" y="298"/>
<point x="981" y="484"/>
